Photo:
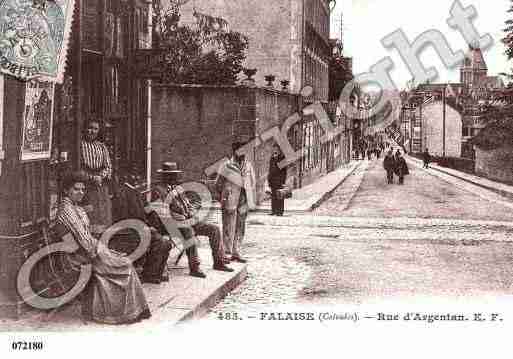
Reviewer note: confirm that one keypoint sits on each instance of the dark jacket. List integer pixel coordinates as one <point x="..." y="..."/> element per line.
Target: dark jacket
<point x="389" y="163"/>
<point x="401" y="168"/>
<point x="426" y="156"/>
<point x="277" y="176"/>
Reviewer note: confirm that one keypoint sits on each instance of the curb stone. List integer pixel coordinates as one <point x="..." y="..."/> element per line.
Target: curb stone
<point x="327" y="194"/>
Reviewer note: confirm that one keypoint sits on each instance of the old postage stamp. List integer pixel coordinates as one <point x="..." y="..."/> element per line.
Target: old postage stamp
<point x="33" y="37"/>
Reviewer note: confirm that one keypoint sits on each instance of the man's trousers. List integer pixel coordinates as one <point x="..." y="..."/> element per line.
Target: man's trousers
<point x="234" y="229"/>
<point x="214" y="237"/>
<point x="390" y="177"/>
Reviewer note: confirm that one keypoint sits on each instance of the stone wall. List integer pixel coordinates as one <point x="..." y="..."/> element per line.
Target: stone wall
<point x="196" y="125"/>
<point x="495" y="164"/>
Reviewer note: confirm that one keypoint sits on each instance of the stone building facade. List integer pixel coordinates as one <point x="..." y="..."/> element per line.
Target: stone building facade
<point x="290" y="40"/>
<point x="467" y="97"/>
<point x="432" y="130"/>
<point x="287" y="38"/>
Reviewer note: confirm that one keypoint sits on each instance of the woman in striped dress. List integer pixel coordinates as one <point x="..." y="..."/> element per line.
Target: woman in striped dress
<point x="95" y="162"/>
<point x="114" y="293"/>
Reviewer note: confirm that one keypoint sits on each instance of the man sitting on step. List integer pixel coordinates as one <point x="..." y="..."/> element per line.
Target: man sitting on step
<point x="181" y="209"/>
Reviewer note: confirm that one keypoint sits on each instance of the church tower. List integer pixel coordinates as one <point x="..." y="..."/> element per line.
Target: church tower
<point x="473" y="70"/>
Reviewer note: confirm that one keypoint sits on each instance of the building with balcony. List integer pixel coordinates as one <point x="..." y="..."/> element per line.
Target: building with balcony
<point x="100" y="82"/>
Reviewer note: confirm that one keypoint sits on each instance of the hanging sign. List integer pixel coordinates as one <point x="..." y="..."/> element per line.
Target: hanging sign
<point x="37" y="121"/>
<point x="34" y="38"/>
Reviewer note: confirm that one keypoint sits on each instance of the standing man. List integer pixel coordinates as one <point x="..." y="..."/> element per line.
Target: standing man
<point x="389" y="166"/>
<point x="95" y="162"/>
<point x="233" y="182"/>
<point x="181" y="209"/>
<point x="276" y="179"/>
<point x="426" y="157"/>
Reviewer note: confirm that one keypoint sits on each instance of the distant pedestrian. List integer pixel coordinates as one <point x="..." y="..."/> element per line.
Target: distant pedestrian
<point x="426" y="157"/>
<point x="401" y="168"/>
<point x="389" y="166"/>
<point x="369" y="154"/>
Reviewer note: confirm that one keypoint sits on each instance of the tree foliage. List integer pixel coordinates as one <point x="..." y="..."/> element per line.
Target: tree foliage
<point x="508" y="39"/>
<point x="205" y="53"/>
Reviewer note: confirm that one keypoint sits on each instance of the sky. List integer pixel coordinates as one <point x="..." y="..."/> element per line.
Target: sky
<point x="366" y="22"/>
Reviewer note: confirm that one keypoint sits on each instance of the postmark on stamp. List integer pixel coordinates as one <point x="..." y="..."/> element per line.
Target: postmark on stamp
<point x="33" y="38"/>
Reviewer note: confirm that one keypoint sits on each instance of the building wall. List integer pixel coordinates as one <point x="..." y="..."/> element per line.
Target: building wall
<point x="316" y="47"/>
<point x="274" y="30"/>
<point x="192" y="125"/>
<point x="432" y="130"/>
<point x="195" y="126"/>
<point x="495" y="164"/>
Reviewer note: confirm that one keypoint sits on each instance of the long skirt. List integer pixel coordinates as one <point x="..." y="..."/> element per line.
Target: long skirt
<point x="101" y="215"/>
<point x="115" y="294"/>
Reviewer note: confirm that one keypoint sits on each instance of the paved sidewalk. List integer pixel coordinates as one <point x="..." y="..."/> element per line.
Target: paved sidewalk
<point x="182" y="298"/>
<point x="498" y="187"/>
<point x="310" y="196"/>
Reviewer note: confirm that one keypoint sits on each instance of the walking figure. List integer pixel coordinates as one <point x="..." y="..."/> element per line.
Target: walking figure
<point x="389" y="166"/>
<point x="401" y="168"/>
<point x="426" y="157"/>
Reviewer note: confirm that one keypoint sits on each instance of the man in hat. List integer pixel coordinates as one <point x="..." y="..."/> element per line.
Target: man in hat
<point x="181" y="209"/>
<point x="232" y="182"/>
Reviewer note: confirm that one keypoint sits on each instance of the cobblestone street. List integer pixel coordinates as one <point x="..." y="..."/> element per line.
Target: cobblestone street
<point x="371" y="241"/>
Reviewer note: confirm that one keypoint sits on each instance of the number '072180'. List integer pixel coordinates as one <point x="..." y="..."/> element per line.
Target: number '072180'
<point x="21" y="345"/>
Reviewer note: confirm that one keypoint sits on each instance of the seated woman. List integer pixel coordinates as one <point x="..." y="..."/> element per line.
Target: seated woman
<point x="114" y="294"/>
